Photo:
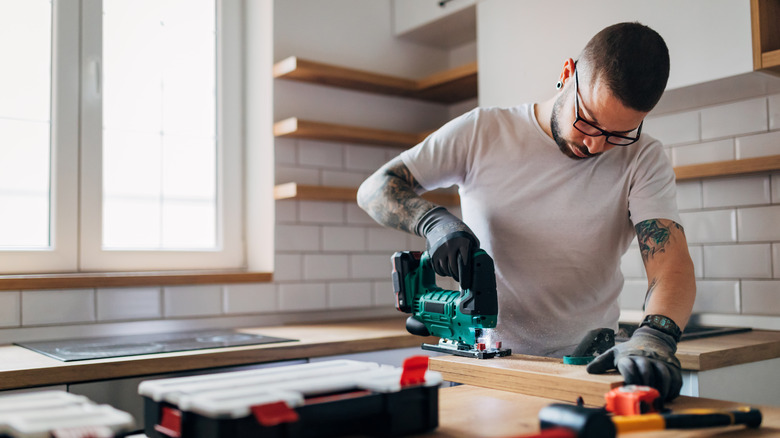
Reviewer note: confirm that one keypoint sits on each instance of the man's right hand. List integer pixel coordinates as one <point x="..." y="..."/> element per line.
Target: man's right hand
<point x="450" y="244"/>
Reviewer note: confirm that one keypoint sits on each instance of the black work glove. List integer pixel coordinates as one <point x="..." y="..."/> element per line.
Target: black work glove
<point x="450" y="244"/>
<point x="645" y="359"/>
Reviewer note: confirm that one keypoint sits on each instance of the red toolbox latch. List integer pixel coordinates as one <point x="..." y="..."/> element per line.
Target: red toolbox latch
<point x="170" y="422"/>
<point x="271" y="414"/>
<point x="414" y="369"/>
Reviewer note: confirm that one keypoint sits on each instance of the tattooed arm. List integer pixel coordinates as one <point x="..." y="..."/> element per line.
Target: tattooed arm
<point x="391" y="197"/>
<point x="671" y="284"/>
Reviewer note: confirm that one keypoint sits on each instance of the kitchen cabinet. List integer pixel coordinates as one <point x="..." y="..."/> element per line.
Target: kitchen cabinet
<point x="765" y="24"/>
<point x="440" y="23"/>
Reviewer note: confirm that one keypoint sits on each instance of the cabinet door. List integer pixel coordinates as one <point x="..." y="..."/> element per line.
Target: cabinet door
<point x="522" y="45"/>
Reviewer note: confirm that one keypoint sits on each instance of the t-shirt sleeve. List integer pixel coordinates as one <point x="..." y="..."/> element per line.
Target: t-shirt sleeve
<point x="441" y="160"/>
<point x="653" y="193"/>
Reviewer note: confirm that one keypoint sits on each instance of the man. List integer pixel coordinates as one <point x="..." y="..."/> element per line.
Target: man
<point x="555" y="192"/>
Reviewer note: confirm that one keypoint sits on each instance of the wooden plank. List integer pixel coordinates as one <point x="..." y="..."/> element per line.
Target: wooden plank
<point x="728" y="350"/>
<point x="770" y="60"/>
<point x="468" y="411"/>
<point x="298" y="69"/>
<point x="23" y="368"/>
<point x="347" y="194"/>
<point x="725" y="168"/>
<point x="91" y="280"/>
<point x="296" y="128"/>
<point x="532" y="375"/>
<point x="448" y="86"/>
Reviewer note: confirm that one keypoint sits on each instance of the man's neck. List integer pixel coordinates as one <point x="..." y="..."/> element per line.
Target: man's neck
<point x="543" y="112"/>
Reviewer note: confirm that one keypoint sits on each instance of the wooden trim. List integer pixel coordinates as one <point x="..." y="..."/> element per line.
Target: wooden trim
<point x="91" y="280"/>
<point x="726" y="168"/>
<point x="346" y="194"/>
<point x="770" y="59"/>
<point x="755" y="27"/>
<point x="449" y="86"/>
<point x="294" y="127"/>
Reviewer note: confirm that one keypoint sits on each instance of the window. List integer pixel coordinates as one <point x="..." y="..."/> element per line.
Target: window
<point x="120" y="144"/>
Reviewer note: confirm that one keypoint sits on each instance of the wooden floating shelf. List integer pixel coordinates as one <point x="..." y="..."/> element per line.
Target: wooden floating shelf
<point x="727" y="168"/>
<point x="297" y="128"/>
<point x="764" y="18"/>
<point x="91" y="280"/>
<point x="346" y="194"/>
<point x="448" y="87"/>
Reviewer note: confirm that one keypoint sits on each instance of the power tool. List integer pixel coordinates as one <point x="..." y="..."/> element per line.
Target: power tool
<point x="463" y="319"/>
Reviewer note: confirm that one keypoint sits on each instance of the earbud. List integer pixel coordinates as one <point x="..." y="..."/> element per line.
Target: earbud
<point x="558" y="85"/>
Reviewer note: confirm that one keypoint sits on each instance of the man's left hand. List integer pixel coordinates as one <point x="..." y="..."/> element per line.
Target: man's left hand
<point x="645" y="359"/>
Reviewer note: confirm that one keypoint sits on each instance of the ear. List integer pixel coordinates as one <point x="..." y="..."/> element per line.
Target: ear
<point x="567" y="72"/>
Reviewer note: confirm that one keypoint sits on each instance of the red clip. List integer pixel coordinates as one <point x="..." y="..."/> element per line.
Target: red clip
<point x="271" y="414"/>
<point x="170" y="422"/>
<point x="414" y="370"/>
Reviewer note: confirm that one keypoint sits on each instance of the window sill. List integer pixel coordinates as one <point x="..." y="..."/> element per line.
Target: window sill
<point x="89" y="280"/>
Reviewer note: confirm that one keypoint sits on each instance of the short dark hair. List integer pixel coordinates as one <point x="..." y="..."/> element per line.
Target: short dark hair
<point x="633" y="61"/>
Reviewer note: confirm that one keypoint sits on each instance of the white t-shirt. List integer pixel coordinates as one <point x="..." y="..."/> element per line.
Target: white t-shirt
<point x="555" y="227"/>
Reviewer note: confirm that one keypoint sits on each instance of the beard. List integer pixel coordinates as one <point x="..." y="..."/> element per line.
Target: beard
<point x="564" y="145"/>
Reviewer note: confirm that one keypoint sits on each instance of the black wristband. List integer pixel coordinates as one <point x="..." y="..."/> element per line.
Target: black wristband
<point x="663" y="324"/>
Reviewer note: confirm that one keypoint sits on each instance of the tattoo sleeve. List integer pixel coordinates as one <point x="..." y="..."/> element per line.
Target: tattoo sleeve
<point x="653" y="236"/>
<point x="391" y="197"/>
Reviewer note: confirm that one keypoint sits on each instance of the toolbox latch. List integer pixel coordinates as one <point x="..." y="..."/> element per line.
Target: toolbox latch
<point x="170" y="422"/>
<point x="414" y="369"/>
<point x="271" y="414"/>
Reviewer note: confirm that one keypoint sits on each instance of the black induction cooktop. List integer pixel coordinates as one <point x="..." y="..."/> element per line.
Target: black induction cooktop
<point x="101" y="348"/>
<point x="690" y="332"/>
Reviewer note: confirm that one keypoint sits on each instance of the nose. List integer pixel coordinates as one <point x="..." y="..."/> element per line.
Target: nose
<point x="596" y="145"/>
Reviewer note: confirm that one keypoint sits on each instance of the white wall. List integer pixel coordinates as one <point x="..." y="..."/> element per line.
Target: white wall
<point x="522" y="45"/>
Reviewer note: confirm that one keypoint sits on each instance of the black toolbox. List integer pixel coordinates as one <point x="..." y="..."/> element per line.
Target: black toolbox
<point x="324" y="399"/>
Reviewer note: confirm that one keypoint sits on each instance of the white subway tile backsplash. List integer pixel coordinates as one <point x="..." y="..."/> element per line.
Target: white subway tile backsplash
<point x="286" y="174"/>
<point x="286" y="211"/>
<point x="688" y="195"/>
<point x="717" y="297"/>
<point x="714" y="226"/>
<point x="632" y="297"/>
<point x="58" y="306"/>
<point x="721" y="150"/>
<point x="759" y="145"/>
<point x="372" y="267"/>
<point x="250" y="298"/>
<point x="774" y="111"/>
<point x="288" y="267"/>
<point x="10" y="309"/>
<point x="697" y="257"/>
<point x="179" y="301"/>
<point x="738" y="261"/>
<point x="386" y="239"/>
<point x="631" y="264"/>
<point x="302" y="296"/>
<point x="674" y="128"/>
<point x="321" y="212"/>
<point x="343" y="179"/>
<point x="758" y="224"/>
<point x="415" y="242"/>
<point x="365" y="158"/>
<point x="357" y="216"/>
<point x="776" y="259"/>
<point x="343" y="238"/>
<point x="349" y="295"/>
<point x="737" y="191"/>
<point x="128" y="303"/>
<point x="760" y="297"/>
<point x="325" y="267"/>
<point x="320" y="154"/>
<point x="744" y="117"/>
<point x="775" y="188"/>
<point x="383" y="294"/>
<point x="297" y="238"/>
<point x="285" y="151"/>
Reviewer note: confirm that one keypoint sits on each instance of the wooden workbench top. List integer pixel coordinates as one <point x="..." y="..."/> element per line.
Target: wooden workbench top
<point x="468" y="411"/>
<point x="21" y="368"/>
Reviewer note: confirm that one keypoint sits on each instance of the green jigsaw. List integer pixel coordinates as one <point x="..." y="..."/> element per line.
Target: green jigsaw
<point x="463" y="319"/>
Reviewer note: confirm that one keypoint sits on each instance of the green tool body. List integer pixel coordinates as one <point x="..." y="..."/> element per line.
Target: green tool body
<point x="461" y="319"/>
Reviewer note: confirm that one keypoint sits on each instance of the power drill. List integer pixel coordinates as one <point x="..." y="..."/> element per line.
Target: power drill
<point x="464" y="320"/>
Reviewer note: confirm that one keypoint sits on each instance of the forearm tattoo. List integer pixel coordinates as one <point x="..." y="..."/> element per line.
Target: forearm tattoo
<point x="390" y="197"/>
<point x="653" y="235"/>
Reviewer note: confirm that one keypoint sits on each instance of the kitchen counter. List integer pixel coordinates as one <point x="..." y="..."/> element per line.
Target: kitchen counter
<point x="469" y="411"/>
<point x="21" y="368"/>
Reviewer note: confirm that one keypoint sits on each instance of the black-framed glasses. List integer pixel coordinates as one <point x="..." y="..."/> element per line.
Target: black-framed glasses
<point x="591" y="130"/>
